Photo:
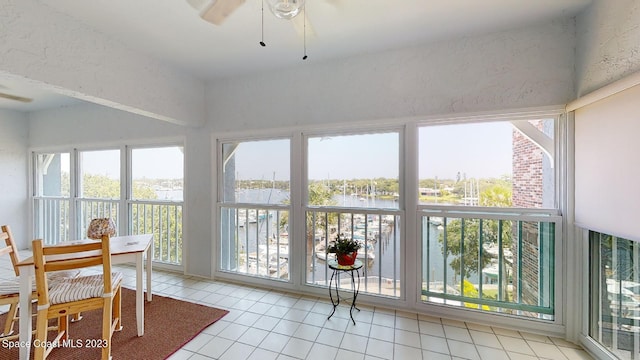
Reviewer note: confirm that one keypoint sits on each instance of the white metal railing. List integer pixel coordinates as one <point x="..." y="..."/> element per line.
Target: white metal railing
<point x="495" y="260"/>
<point x="254" y="240"/>
<point x="96" y="208"/>
<point x="163" y="219"/>
<point x="51" y="219"/>
<point x="378" y="232"/>
<point x="52" y="222"/>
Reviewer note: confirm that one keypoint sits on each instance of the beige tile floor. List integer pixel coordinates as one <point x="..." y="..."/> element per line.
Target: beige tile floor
<point x="264" y="324"/>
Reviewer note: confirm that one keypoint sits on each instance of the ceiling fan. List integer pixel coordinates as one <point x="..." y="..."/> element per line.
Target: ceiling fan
<point x="217" y="11"/>
<point x="6" y="95"/>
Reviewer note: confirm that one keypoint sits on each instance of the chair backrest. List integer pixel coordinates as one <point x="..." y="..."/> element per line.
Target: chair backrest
<point x="67" y="257"/>
<point x="10" y="248"/>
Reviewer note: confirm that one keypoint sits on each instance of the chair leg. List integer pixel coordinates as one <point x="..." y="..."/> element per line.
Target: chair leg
<point x="117" y="308"/>
<point x="41" y="335"/>
<point x="63" y="327"/>
<point x="106" y="328"/>
<point x="11" y="317"/>
<point x="75" y="317"/>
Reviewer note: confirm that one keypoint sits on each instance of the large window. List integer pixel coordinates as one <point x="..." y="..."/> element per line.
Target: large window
<point x="254" y="208"/>
<point x="354" y="170"/>
<point x="98" y="186"/>
<point x="153" y="182"/>
<point x="155" y="205"/>
<point x="490" y="164"/>
<point x="71" y="188"/>
<point x="456" y="214"/>
<point x="478" y="251"/>
<point x="353" y="190"/>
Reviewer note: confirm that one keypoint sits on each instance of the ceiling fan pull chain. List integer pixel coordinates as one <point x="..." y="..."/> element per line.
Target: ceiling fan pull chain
<point x="304" y="32"/>
<point x="262" y="23"/>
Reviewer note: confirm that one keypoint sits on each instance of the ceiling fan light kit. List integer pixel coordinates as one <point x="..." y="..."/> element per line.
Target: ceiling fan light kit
<point x="217" y="11"/>
<point x="285" y="9"/>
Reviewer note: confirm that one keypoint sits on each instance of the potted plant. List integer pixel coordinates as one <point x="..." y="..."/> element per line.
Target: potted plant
<point x="346" y="249"/>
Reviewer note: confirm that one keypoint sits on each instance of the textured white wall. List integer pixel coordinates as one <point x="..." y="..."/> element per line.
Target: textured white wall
<point x="531" y="66"/>
<point x="58" y="52"/>
<point x="608" y="35"/>
<point x="14" y="132"/>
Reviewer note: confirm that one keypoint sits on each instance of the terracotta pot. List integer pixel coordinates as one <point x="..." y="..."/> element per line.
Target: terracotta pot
<point x="347" y="259"/>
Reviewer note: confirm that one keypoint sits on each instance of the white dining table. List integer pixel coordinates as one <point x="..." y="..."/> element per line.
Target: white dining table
<point x="124" y="249"/>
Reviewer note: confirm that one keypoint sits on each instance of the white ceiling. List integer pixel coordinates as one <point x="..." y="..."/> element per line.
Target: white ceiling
<point x="173" y="31"/>
<point x="42" y="99"/>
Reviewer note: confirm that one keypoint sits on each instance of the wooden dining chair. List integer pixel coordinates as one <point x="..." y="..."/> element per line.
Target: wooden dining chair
<point x="83" y="293"/>
<point x="10" y="289"/>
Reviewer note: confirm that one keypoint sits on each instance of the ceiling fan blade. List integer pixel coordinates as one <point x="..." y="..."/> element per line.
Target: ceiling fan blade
<point x="220" y="10"/>
<point x="15" y="97"/>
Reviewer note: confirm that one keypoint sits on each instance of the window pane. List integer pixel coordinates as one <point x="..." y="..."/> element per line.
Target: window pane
<point x="100" y="174"/>
<point x="354" y="170"/>
<point x="51" y="201"/>
<point x="52" y="174"/>
<point x="487" y="164"/>
<point x="150" y="181"/>
<point x="256" y="172"/>
<point x="615" y="294"/>
<point x="500" y="265"/>
<point x="255" y="238"/>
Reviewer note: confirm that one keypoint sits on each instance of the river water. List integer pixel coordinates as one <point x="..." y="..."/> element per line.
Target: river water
<point x="387" y="248"/>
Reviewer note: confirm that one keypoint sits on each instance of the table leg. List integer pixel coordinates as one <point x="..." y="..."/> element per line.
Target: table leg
<point x="25" y="336"/>
<point x="356" y="291"/>
<point x="149" y="261"/>
<point x="334" y="303"/>
<point x="139" y="295"/>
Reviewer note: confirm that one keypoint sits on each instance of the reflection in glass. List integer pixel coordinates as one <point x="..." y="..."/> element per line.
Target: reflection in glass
<point x="615" y="294"/>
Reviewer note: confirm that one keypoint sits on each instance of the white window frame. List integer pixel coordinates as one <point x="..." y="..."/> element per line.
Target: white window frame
<point x="408" y="176"/>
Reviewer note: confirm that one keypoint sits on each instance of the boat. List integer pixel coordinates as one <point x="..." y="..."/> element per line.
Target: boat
<point x="281" y="251"/>
<point x="261" y="265"/>
<point x="493" y="250"/>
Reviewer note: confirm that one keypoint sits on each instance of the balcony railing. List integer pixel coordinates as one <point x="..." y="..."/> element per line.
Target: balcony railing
<point x="162" y="219"/>
<point x="495" y="261"/>
<point x="97" y="208"/>
<point x="255" y="240"/>
<point x="378" y="232"/>
<point x="51" y="219"/>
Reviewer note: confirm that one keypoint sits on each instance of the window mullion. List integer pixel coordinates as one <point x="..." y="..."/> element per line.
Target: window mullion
<point x="126" y="181"/>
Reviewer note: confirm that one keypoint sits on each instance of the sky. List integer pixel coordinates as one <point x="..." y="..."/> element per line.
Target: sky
<point x="478" y="150"/>
<point x="152" y="163"/>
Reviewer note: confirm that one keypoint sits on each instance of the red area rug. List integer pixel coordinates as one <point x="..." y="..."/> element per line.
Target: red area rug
<point x="169" y="324"/>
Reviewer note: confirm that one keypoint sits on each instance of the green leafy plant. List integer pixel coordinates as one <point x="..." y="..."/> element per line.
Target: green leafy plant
<point x="343" y="245"/>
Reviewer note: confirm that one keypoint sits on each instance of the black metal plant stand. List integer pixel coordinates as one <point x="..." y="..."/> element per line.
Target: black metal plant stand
<point x="334" y="284"/>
